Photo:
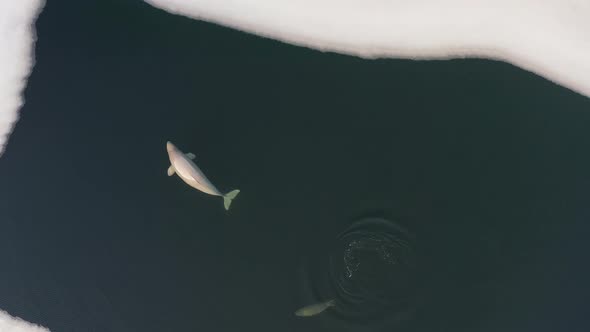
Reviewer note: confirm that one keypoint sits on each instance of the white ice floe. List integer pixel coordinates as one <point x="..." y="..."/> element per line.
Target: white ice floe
<point x="17" y="37"/>
<point x="548" y="37"/>
<point x="14" y="324"/>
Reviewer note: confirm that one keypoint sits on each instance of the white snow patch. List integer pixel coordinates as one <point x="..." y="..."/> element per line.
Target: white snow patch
<point x="548" y="37"/>
<point x="17" y="37"/>
<point x="14" y="324"/>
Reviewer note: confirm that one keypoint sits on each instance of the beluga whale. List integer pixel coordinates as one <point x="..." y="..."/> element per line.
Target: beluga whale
<point x="315" y="309"/>
<point x="183" y="165"/>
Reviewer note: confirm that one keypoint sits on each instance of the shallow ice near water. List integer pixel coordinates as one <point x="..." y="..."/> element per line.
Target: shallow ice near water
<point x="9" y="323"/>
<point x="547" y="37"/>
<point x="16" y="58"/>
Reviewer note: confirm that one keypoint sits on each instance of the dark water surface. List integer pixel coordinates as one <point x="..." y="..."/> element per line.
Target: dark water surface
<point x="486" y="165"/>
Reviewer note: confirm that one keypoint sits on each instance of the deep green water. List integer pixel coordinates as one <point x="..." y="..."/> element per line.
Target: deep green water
<point x="485" y="163"/>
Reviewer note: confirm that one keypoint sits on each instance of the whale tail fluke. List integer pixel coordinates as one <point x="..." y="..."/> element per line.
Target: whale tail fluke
<point x="227" y="198"/>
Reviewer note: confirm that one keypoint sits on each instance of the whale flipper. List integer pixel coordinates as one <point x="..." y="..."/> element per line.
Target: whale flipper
<point x="171" y="170"/>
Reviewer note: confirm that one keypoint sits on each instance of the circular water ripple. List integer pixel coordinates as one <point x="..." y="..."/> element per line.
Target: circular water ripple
<point x="371" y="271"/>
